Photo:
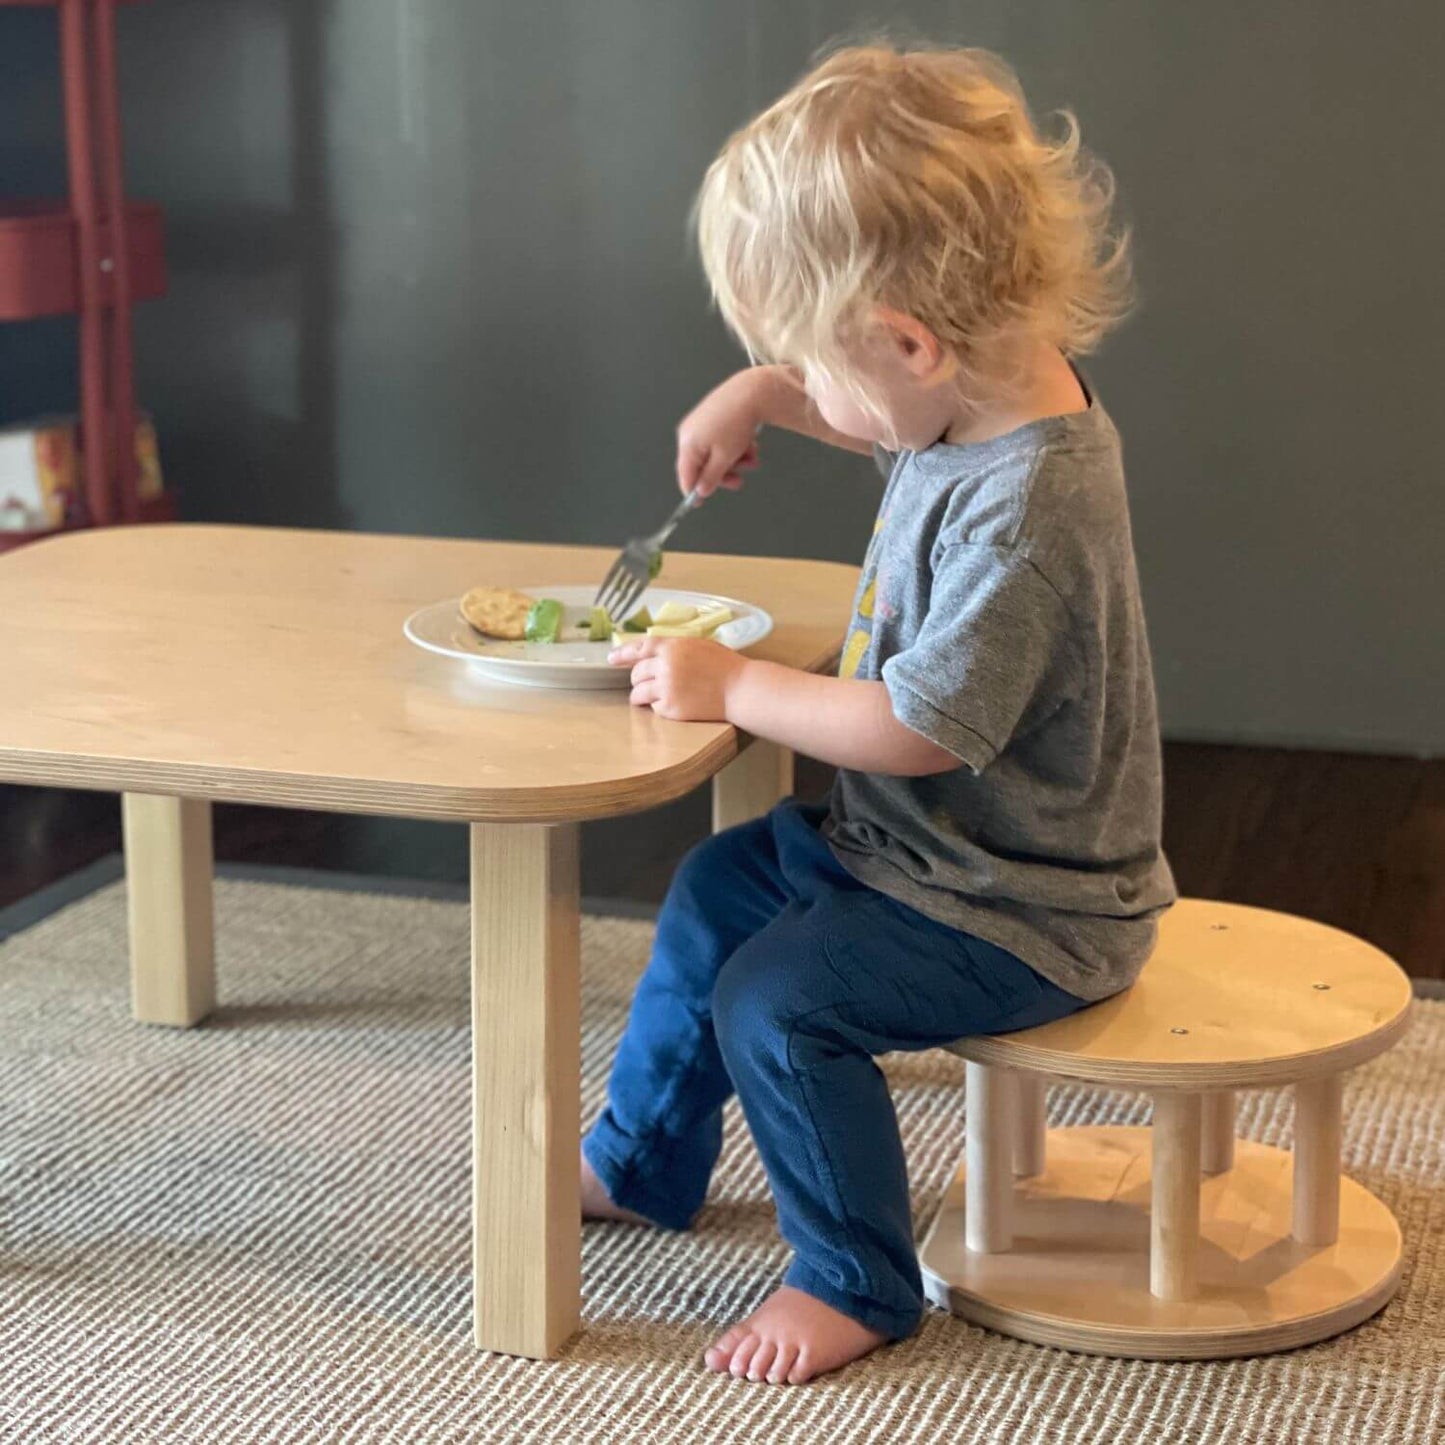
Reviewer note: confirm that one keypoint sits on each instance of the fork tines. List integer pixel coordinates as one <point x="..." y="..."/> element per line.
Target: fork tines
<point x="621" y="588"/>
<point x="624" y="583"/>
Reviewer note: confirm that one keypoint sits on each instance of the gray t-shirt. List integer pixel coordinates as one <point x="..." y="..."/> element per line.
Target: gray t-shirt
<point x="1000" y="605"/>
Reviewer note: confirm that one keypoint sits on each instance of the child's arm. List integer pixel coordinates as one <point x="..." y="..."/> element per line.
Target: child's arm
<point x="717" y="439"/>
<point x="840" y="721"/>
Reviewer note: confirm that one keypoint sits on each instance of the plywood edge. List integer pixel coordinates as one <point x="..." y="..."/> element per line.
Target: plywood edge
<point x="559" y="804"/>
<point x="1134" y="1344"/>
<point x="1191" y="1076"/>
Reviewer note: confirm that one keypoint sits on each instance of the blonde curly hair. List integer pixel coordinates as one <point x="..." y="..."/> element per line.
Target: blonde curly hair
<point x="915" y="180"/>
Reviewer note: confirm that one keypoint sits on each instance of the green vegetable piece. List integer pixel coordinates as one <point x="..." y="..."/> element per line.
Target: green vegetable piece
<point x="640" y="621"/>
<point x="544" y="621"/>
<point x="654" y="566"/>
<point x="599" y="626"/>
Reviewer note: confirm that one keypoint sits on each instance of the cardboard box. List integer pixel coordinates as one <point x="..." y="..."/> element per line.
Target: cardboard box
<point x="42" y="476"/>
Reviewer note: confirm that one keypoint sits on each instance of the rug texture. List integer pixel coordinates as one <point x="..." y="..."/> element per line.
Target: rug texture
<point x="258" y="1230"/>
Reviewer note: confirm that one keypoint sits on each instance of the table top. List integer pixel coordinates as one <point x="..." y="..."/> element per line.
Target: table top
<point x="268" y="666"/>
<point x="1232" y="997"/>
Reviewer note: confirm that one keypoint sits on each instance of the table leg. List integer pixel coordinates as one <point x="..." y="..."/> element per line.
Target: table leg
<point x="1217" y="1130"/>
<point x="757" y="779"/>
<point x="988" y="1159"/>
<point x="1317" y="1160"/>
<point x="1174" y="1209"/>
<point x="1031" y="1124"/>
<point x="168" y="865"/>
<point x="526" y="1088"/>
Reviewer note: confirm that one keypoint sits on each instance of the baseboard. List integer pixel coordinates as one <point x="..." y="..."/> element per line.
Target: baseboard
<point x="30" y="910"/>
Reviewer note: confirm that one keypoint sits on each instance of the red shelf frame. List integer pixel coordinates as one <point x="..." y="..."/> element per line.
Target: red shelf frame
<point x="94" y="257"/>
<point x="40" y="256"/>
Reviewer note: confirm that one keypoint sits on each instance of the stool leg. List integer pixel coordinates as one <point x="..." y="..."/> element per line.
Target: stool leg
<point x="1217" y="1149"/>
<point x="1030" y="1124"/>
<point x="1174" y="1215"/>
<point x="1317" y="1160"/>
<point x="988" y="1191"/>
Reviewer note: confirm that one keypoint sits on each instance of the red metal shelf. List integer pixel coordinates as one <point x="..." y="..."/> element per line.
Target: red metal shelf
<point x="94" y="256"/>
<point x="40" y="257"/>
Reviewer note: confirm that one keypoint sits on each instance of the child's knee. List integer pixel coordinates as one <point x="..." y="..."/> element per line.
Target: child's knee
<point x="754" y="1009"/>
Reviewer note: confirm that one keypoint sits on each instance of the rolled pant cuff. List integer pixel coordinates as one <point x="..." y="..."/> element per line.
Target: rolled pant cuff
<point x="896" y="1324"/>
<point x="628" y="1189"/>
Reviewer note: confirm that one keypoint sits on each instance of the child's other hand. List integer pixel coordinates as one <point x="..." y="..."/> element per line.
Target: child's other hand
<point x="717" y="439"/>
<point x="683" y="678"/>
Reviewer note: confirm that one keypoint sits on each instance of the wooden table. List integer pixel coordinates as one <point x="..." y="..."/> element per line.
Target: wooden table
<point x="178" y="665"/>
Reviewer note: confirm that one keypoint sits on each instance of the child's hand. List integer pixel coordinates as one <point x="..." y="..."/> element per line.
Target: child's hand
<point x="717" y="439"/>
<point x="683" y="678"/>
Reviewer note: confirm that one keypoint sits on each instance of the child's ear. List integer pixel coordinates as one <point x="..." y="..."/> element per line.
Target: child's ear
<point x="914" y="345"/>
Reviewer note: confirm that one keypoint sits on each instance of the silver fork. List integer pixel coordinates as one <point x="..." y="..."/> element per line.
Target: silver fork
<point x="630" y="575"/>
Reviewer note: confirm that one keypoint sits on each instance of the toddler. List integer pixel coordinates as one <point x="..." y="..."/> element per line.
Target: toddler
<point x="917" y="265"/>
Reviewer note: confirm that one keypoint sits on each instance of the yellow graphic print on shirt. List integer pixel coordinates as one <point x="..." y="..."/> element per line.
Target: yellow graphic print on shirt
<point x="862" y="632"/>
<point x="853" y="654"/>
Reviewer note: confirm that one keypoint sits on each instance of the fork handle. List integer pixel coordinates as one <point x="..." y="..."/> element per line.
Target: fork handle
<point x="693" y="499"/>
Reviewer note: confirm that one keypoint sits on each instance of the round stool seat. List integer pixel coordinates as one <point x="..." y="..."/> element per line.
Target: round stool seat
<point x="1232" y="997"/>
<point x="1167" y="1242"/>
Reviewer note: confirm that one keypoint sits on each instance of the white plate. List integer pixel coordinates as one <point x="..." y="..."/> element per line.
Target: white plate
<point x="441" y="628"/>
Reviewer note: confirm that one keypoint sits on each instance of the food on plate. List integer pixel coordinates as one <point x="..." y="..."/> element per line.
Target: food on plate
<point x="497" y="612"/>
<point x="711" y="618"/>
<point x="544" y="621"/>
<point x="513" y="616"/>
<point x="676" y="619"/>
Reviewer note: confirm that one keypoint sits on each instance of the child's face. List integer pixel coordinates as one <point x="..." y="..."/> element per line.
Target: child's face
<point x="843" y="411"/>
<point x="905" y="375"/>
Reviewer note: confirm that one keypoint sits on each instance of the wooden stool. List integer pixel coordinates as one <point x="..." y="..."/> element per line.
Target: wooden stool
<point x="1177" y="1241"/>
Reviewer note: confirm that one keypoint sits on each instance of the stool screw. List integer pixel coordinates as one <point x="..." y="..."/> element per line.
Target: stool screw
<point x="1322" y="987"/>
<point x="1178" y="1031"/>
<point x="1219" y="927"/>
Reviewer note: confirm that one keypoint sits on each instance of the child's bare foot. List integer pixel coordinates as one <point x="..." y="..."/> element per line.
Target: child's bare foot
<point x="789" y="1339"/>
<point x="597" y="1203"/>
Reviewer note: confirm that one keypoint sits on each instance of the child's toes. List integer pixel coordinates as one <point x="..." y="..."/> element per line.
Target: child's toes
<point x="719" y="1355"/>
<point x="802" y="1368"/>
<point x="762" y="1361"/>
<point x="783" y="1363"/>
<point x="743" y="1355"/>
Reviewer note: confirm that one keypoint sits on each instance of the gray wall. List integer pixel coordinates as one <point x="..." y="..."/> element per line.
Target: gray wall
<point x="430" y="275"/>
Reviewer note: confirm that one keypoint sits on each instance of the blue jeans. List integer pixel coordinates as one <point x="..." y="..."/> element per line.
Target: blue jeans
<point x="777" y="974"/>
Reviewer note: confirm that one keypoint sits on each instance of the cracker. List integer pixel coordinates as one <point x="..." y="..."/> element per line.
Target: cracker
<point x="497" y="612"/>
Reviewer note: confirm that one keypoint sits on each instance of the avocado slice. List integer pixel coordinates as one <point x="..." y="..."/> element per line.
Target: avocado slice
<point x="544" y="621"/>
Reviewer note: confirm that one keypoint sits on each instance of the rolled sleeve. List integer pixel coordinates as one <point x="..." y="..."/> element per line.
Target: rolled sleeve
<point x="995" y="650"/>
<point x="915" y="711"/>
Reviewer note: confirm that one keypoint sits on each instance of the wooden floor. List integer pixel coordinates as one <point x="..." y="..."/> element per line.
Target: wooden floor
<point x="1352" y="840"/>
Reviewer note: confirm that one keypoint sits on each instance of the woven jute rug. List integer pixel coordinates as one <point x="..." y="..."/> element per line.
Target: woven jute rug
<point x="258" y="1229"/>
